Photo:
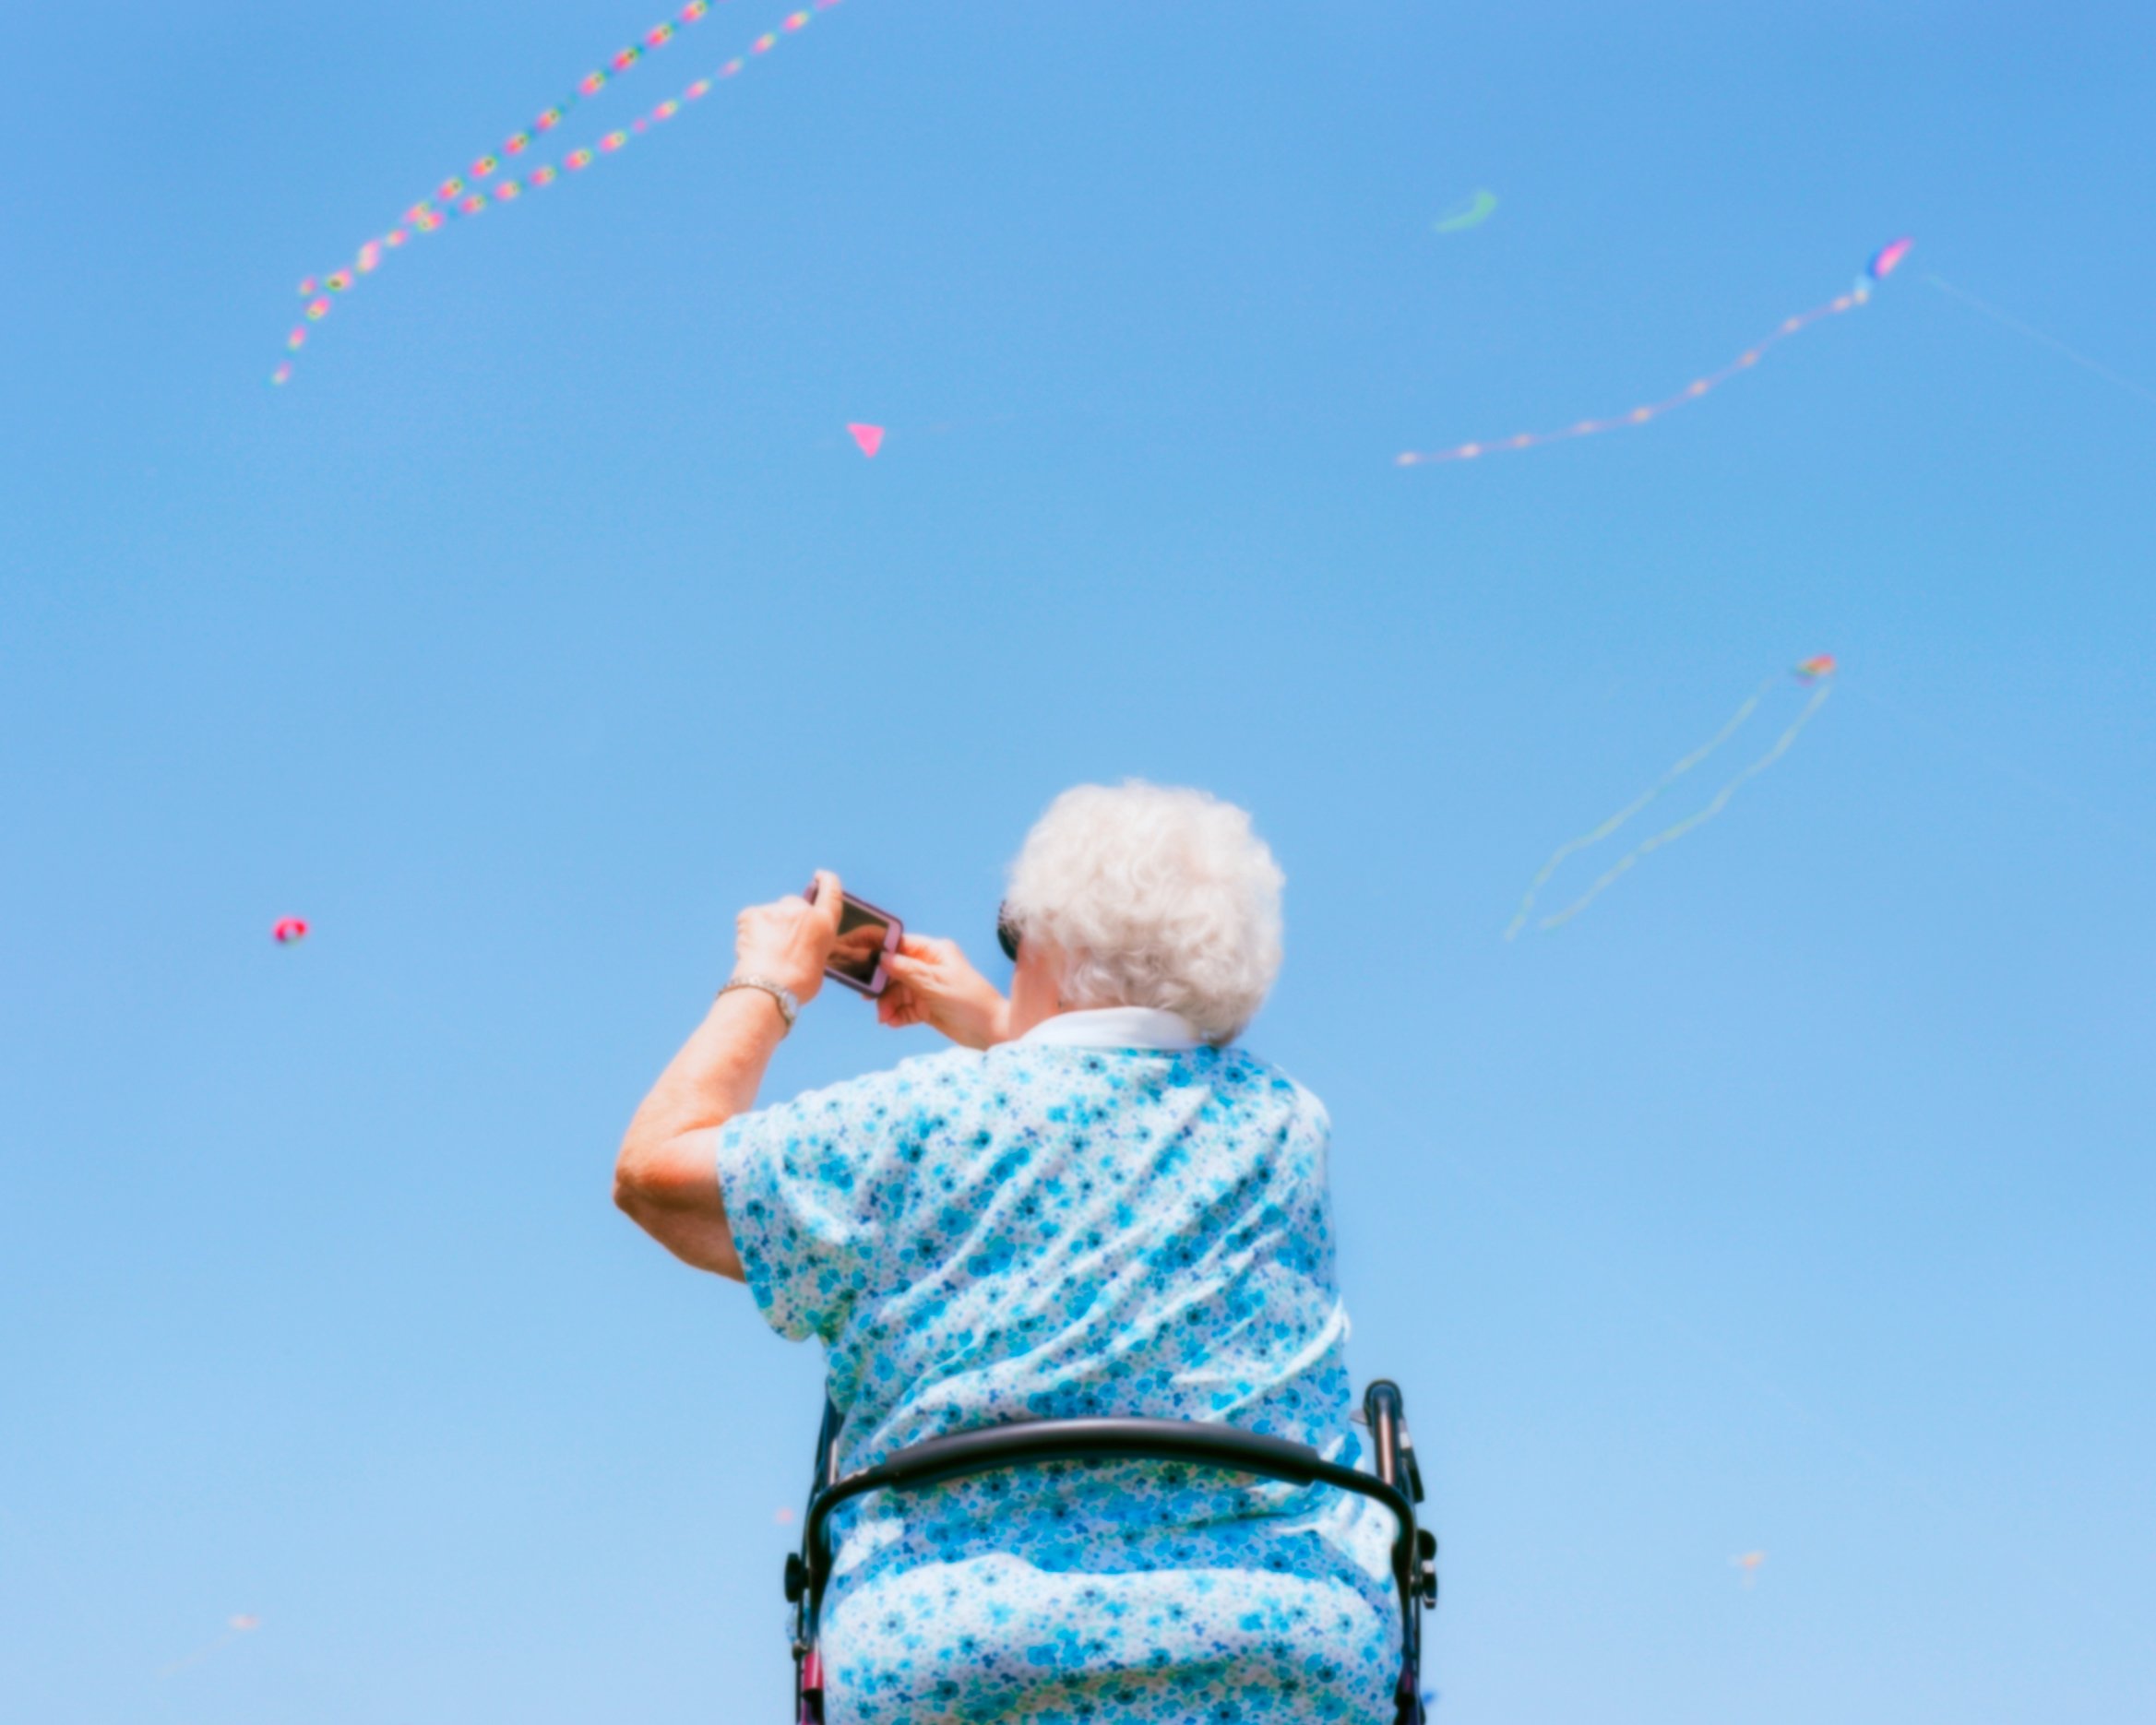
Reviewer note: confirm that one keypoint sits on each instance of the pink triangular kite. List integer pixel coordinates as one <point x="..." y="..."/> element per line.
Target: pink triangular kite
<point x="870" y="438"/>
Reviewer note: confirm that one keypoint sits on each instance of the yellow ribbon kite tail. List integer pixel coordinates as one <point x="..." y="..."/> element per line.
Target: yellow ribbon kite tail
<point x="1670" y="778"/>
<point x="1722" y="801"/>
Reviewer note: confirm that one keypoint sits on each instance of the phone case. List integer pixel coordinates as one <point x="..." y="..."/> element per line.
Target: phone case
<point x="894" y="930"/>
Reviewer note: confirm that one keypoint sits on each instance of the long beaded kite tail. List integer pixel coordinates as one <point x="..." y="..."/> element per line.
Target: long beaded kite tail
<point x="1751" y="356"/>
<point x="458" y="196"/>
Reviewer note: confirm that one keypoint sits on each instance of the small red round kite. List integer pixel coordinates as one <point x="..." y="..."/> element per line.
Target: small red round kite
<point x="870" y="438"/>
<point x="289" y="932"/>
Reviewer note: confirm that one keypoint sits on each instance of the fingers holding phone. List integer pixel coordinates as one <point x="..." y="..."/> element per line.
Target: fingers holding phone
<point x="791" y="942"/>
<point x="937" y="985"/>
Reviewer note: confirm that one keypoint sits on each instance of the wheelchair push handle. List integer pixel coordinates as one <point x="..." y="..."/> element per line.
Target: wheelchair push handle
<point x="1396" y="1464"/>
<point x="1396" y="1483"/>
<point x="988" y="1449"/>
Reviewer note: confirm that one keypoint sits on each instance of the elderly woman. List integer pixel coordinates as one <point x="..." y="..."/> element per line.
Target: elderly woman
<point x="1094" y="1204"/>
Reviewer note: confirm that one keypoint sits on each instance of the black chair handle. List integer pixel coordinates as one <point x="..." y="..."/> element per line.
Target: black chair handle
<point x="938" y="1458"/>
<point x="988" y="1448"/>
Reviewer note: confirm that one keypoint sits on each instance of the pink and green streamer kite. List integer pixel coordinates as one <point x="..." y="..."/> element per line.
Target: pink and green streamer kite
<point x="500" y="177"/>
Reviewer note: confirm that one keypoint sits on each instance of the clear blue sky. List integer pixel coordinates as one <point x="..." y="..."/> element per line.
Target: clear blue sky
<point x="1798" y="1197"/>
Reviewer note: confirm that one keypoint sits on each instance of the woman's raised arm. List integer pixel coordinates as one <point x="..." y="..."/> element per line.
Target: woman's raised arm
<point x="666" y="1176"/>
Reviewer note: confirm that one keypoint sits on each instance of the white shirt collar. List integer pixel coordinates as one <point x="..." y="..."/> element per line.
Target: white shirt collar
<point x="1114" y="1026"/>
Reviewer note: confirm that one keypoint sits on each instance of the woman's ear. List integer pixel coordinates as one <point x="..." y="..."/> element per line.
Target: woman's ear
<point x="1036" y="984"/>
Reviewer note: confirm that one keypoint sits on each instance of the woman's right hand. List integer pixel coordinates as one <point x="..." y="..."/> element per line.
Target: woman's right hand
<point x="931" y="983"/>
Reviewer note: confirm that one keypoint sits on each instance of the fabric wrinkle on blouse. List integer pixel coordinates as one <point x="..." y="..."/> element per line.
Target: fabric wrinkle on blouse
<point x="1105" y="1217"/>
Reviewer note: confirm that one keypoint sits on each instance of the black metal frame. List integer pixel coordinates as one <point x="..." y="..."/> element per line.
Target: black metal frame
<point x="1397" y="1485"/>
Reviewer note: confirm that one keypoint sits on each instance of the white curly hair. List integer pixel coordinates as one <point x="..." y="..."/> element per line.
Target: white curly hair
<point x="1156" y="896"/>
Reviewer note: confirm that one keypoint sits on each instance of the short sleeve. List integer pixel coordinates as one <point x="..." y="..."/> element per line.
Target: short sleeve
<point x="802" y="1187"/>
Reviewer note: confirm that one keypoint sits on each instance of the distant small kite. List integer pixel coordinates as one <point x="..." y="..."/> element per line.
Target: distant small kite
<point x="235" y="1626"/>
<point x="1881" y="265"/>
<point x="782" y="1518"/>
<point x="870" y="438"/>
<point x="1817" y="674"/>
<point x="1886" y="258"/>
<point x="1480" y="209"/>
<point x="1749" y="1563"/>
<point x="289" y="932"/>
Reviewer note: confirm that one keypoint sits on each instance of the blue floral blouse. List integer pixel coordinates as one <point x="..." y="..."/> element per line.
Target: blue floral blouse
<point x="1046" y="1231"/>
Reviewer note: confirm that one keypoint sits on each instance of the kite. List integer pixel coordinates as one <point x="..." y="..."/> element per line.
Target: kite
<point x="1749" y="1563"/>
<point x="502" y="176"/>
<point x="871" y="440"/>
<point x="239" y="1625"/>
<point x="1817" y="674"/>
<point x="1881" y="265"/>
<point x="1885" y="257"/>
<point x="289" y="930"/>
<point x="782" y="1518"/>
<point x="1479" y="210"/>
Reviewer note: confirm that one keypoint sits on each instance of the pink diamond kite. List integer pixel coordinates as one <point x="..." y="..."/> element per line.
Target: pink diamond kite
<point x="870" y="438"/>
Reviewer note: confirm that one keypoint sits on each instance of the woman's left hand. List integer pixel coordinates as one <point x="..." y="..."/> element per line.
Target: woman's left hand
<point x="931" y="983"/>
<point x="789" y="942"/>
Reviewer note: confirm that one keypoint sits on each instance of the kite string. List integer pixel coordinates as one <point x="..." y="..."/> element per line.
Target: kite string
<point x="1571" y="846"/>
<point x="1699" y="819"/>
<point x="1653" y="410"/>
<point x="2034" y="334"/>
<point x="237" y="1626"/>
<point x="2013" y="770"/>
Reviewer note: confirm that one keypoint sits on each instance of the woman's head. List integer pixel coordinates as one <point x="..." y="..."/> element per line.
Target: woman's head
<point x="1146" y="896"/>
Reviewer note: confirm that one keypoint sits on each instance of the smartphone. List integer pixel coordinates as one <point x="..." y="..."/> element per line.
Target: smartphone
<point x="865" y="936"/>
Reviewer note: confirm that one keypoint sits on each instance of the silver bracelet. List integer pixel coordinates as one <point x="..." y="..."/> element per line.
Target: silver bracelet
<point x="781" y="996"/>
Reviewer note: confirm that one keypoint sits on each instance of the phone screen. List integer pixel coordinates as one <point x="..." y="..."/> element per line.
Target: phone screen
<point x="859" y="950"/>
